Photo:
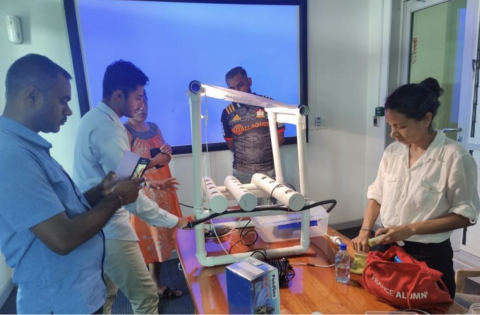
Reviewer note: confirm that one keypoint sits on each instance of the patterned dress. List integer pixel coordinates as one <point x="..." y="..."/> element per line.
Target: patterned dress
<point x="156" y="243"/>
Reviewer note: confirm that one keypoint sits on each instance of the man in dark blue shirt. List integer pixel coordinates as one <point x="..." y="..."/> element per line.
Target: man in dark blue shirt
<point x="246" y="131"/>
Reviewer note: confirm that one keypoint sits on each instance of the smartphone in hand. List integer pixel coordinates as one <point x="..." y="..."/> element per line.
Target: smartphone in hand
<point x="140" y="168"/>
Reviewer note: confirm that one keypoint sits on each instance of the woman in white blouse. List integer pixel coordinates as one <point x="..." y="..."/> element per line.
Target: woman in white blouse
<point x="426" y="185"/>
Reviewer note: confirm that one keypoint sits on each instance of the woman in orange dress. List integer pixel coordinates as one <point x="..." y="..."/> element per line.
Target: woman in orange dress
<point x="156" y="243"/>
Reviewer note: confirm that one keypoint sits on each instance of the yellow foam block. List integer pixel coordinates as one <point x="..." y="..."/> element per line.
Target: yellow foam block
<point x="376" y="240"/>
<point x="358" y="263"/>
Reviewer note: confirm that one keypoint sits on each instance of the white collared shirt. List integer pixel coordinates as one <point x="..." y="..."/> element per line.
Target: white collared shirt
<point x="442" y="181"/>
<point x="99" y="147"/>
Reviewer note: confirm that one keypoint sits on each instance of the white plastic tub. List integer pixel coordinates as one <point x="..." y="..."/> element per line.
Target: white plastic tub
<point x="278" y="228"/>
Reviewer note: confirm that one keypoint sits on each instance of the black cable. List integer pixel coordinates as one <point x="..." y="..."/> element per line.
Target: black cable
<point x="285" y="270"/>
<point x="261" y="251"/>
<point x="279" y="185"/>
<point x="332" y="203"/>
<point x="243" y="234"/>
<point x="271" y="193"/>
<point x="191" y="207"/>
<point x="241" y="240"/>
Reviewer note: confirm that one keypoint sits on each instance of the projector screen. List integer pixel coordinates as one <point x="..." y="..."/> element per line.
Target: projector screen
<point x="177" y="42"/>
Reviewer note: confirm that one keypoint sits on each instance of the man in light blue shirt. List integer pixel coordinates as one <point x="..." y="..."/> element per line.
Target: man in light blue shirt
<point x="49" y="231"/>
<point x="99" y="147"/>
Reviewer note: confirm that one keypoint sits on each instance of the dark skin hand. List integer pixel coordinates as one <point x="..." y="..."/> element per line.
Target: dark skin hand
<point x="63" y="234"/>
<point x="100" y="191"/>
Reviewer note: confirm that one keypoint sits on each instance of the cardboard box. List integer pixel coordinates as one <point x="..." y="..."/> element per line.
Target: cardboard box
<point x="252" y="287"/>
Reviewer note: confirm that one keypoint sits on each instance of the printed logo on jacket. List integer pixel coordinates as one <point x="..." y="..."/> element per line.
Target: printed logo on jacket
<point x="239" y="129"/>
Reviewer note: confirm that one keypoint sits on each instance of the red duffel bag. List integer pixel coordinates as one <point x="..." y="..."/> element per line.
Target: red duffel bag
<point x="409" y="284"/>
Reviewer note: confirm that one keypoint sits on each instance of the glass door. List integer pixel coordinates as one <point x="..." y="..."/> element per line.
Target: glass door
<point x="435" y="45"/>
<point x="469" y="114"/>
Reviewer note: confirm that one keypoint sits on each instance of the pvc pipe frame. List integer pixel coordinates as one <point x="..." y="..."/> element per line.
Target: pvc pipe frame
<point x="246" y="195"/>
<point x="275" y="114"/>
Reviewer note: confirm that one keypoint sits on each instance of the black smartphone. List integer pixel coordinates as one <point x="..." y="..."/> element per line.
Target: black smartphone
<point x="154" y="152"/>
<point x="140" y="168"/>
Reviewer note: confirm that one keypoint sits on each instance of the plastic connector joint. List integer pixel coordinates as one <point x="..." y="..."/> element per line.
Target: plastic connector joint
<point x="336" y="240"/>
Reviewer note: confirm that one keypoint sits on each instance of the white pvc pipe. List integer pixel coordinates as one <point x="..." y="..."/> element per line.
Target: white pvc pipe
<point x="283" y="110"/>
<point x="195" y="114"/>
<point x="222" y="93"/>
<point x="246" y="200"/>
<point x="284" y="194"/>
<point x="305" y="233"/>
<point x="271" y="253"/>
<point x="217" y="201"/>
<point x="302" y="148"/>
<point x="227" y="214"/>
<point x="285" y="113"/>
<point x="302" y="172"/>
<point x="232" y="225"/>
<point x="277" y="161"/>
<point x="209" y="261"/>
<point x="250" y="187"/>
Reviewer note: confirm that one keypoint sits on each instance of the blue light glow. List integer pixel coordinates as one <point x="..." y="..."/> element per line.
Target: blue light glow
<point x="175" y="43"/>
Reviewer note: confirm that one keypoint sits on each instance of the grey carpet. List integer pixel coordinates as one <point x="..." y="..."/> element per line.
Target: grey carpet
<point x="170" y="276"/>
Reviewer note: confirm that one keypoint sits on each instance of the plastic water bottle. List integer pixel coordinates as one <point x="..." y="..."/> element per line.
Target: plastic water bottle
<point x="342" y="265"/>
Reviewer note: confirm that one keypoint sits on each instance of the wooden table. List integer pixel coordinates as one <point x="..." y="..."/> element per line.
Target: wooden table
<point x="312" y="289"/>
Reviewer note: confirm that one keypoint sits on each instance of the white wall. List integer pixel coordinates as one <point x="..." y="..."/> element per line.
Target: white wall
<point x="378" y="89"/>
<point x="343" y="82"/>
<point x="344" y="49"/>
<point x="44" y="32"/>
